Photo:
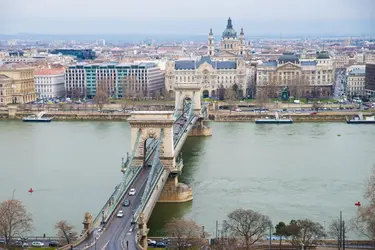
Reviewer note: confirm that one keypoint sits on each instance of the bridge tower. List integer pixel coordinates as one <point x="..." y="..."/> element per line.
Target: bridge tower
<point x="149" y="125"/>
<point x="188" y="91"/>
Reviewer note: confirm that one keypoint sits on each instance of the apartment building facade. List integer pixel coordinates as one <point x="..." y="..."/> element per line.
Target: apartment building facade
<point x="119" y="79"/>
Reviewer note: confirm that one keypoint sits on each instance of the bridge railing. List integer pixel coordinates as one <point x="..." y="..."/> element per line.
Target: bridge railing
<point x="159" y="171"/>
<point x="131" y="173"/>
<point x="186" y="109"/>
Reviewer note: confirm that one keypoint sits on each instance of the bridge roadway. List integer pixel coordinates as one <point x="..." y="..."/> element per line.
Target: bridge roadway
<point x="118" y="231"/>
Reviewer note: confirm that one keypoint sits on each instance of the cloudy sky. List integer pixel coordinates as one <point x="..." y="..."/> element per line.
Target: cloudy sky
<point x="257" y="17"/>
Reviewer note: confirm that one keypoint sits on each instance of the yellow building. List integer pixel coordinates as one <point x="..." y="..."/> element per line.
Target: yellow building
<point x="18" y="84"/>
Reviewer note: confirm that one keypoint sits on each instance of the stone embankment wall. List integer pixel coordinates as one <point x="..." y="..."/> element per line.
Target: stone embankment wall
<point x="69" y="115"/>
<point x="250" y="116"/>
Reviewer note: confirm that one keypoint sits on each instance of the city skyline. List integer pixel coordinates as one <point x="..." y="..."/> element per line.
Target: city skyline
<point x="287" y="18"/>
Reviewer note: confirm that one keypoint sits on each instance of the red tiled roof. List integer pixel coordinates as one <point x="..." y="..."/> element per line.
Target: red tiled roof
<point x="55" y="71"/>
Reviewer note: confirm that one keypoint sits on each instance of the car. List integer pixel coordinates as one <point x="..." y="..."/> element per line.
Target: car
<point x="132" y="191"/>
<point x="126" y="203"/>
<point x="37" y="244"/>
<point x="2" y="242"/>
<point x="53" y="244"/>
<point x="161" y="244"/>
<point x="120" y="214"/>
<point x="151" y="243"/>
<point x="18" y="243"/>
<point x="25" y="244"/>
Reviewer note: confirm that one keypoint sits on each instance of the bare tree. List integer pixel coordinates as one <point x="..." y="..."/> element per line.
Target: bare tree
<point x="76" y="93"/>
<point x="247" y="225"/>
<point x="157" y="95"/>
<point x="221" y="92"/>
<point x="305" y="233"/>
<point x="14" y="220"/>
<point x="65" y="232"/>
<point x="364" y="223"/>
<point x="334" y="230"/>
<point x="186" y="232"/>
<point x="101" y="97"/>
<point x="261" y="98"/>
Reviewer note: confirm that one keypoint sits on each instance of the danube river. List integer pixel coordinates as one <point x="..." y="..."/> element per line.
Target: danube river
<point x="288" y="172"/>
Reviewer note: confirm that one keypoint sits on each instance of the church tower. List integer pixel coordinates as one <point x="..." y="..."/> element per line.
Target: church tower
<point x="241" y="46"/>
<point x="211" y="44"/>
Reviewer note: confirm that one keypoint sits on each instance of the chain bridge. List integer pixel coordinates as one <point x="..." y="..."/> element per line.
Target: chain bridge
<point x="152" y="168"/>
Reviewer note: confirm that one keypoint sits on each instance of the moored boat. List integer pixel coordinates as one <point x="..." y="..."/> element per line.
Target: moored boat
<point x="360" y="119"/>
<point x="276" y="120"/>
<point x="37" y="118"/>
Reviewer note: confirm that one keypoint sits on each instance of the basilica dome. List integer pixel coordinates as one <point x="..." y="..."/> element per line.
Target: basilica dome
<point x="229" y="32"/>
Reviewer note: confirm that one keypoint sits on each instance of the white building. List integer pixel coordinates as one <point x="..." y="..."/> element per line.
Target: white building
<point x="49" y="83"/>
<point x="308" y="78"/>
<point x="356" y="82"/>
<point x="211" y="75"/>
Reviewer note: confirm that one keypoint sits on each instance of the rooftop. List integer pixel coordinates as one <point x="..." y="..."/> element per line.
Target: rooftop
<point x="190" y="64"/>
<point x="357" y="72"/>
<point x="11" y="66"/>
<point x="56" y="71"/>
<point x="288" y="57"/>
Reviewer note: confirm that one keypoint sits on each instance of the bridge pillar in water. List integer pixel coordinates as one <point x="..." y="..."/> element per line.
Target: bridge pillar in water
<point x="175" y="192"/>
<point x="150" y="123"/>
<point x="188" y="90"/>
<point x="200" y="128"/>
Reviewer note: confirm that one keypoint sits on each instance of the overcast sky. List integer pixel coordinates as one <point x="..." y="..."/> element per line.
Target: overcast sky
<point x="285" y="17"/>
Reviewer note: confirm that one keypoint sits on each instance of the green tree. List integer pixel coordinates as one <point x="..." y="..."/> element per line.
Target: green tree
<point x="282" y="230"/>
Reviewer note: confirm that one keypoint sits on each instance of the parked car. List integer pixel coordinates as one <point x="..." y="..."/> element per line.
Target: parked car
<point x="2" y="242"/>
<point x="132" y="191"/>
<point x="126" y="203"/>
<point x="53" y="244"/>
<point x="120" y="214"/>
<point x="37" y="244"/>
<point x="151" y="243"/>
<point x="160" y="244"/>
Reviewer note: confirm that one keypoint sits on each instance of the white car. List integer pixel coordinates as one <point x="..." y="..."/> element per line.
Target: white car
<point x="37" y="244"/>
<point x="120" y="214"/>
<point x="132" y="191"/>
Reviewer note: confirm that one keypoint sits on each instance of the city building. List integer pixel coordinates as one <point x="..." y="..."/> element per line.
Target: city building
<point x="6" y="90"/>
<point x="369" y="56"/>
<point x="303" y="78"/>
<point x="22" y="83"/>
<point x="120" y="79"/>
<point x="370" y="79"/>
<point x="231" y="46"/>
<point x="80" y="54"/>
<point x="356" y="82"/>
<point x="49" y="83"/>
<point x="211" y="75"/>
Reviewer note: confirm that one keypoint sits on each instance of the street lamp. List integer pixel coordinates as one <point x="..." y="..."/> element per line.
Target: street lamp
<point x="95" y="242"/>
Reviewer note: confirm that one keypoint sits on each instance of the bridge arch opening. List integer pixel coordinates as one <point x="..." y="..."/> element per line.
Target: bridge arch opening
<point x="148" y="144"/>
